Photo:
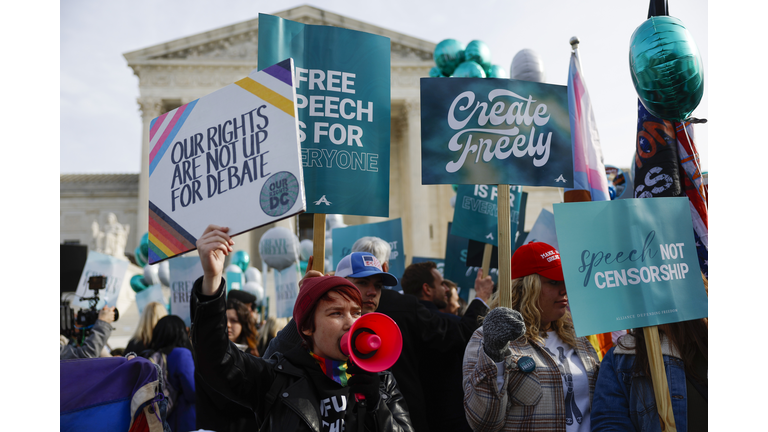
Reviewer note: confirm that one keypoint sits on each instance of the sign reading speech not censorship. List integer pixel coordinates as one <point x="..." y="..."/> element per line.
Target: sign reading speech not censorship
<point x="629" y="263"/>
<point x="343" y="96"/>
<point x="475" y="214"/>
<point x="230" y="158"/>
<point x="495" y="131"/>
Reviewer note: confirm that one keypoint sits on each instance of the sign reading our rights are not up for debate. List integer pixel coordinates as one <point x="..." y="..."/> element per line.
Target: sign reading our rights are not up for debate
<point x="230" y="158"/>
<point x="629" y="263"/>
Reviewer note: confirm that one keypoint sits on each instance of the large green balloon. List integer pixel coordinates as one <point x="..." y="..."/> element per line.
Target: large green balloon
<point x="241" y="259"/>
<point x="496" y="71"/>
<point x="478" y="52"/>
<point x="435" y="72"/>
<point x="449" y="54"/>
<point x="666" y="68"/>
<point x="469" y="69"/>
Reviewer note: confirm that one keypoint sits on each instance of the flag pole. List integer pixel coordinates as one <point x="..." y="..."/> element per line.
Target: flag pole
<point x="505" y="247"/>
<point x="318" y="242"/>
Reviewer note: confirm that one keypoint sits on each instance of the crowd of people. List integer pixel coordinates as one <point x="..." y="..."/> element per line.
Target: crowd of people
<point x="477" y="366"/>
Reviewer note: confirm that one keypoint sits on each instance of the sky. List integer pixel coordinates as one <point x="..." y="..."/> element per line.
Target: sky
<point x="100" y="118"/>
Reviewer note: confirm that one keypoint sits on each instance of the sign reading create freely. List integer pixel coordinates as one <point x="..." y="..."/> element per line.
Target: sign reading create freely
<point x="343" y="96"/>
<point x="184" y="271"/>
<point x="230" y="158"/>
<point x="495" y="131"/>
<point x="629" y="263"/>
<point x="475" y="214"/>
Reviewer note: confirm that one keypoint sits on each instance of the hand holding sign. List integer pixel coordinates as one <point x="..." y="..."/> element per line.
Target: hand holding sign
<point x="501" y="326"/>
<point x="213" y="246"/>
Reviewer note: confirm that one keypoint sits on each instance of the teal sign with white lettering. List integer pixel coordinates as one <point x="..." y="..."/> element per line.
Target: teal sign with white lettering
<point x="475" y="214"/>
<point x="343" y="99"/>
<point x="629" y="263"/>
<point x="495" y="131"/>
<point x="390" y="231"/>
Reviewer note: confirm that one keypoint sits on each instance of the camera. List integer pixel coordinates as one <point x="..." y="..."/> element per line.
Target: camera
<point x="85" y="318"/>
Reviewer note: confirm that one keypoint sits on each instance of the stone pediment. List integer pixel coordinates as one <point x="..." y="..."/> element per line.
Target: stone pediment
<point x="237" y="44"/>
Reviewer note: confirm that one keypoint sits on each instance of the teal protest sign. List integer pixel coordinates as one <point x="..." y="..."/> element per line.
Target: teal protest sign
<point x="456" y="268"/>
<point x="495" y="131"/>
<point x="343" y="98"/>
<point x="475" y="215"/>
<point x="390" y="231"/>
<point x="629" y="263"/>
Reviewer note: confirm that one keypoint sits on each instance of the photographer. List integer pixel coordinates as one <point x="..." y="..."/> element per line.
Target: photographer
<point x="94" y="343"/>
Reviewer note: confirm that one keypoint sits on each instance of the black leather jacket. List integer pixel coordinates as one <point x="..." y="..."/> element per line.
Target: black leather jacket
<point x="247" y="379"/>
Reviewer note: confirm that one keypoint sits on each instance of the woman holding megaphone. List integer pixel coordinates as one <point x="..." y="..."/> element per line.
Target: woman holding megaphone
<point x="314" y="386"/>
<point x="525" y="369"/>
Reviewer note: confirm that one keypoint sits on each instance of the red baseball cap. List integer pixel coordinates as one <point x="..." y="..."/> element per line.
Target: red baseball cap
<point x="311" y="291"/>
<point x="537" y="258"/>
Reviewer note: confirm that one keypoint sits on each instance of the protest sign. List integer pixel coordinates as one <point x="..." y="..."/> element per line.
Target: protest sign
<point x="629" y="263"/>
<point x="235" y="280"/>
<point x="286" y="290"/>
<point x="153" y="293"/>
<point x="343" y="96"/>
<point x="543" y="230"/>
<point x="184" y="272"/>
<point x="495" y="131"/>
<point x="475" y="215"/>
<point x="390" y="231"/>
<point x="99" y="264"/>
<point x="230" y="158"/>
<point x="456" y="268"/>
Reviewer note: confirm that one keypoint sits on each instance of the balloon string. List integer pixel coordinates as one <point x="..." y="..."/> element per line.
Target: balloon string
<point x="702" y="189"/>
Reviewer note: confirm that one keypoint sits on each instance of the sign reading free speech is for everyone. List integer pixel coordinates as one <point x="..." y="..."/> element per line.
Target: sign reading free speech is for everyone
<point x="495" y="131"/>
<point x="629" y="263"/>
<point x="230" y="158"/>
<point x="475" y="215"/>
<point x="343" y="97"/>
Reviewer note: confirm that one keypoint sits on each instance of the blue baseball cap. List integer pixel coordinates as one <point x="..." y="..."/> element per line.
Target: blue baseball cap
<point x="363" y="264"/>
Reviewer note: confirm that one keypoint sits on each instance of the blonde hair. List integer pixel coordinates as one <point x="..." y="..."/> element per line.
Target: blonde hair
<point x="149" y="318"/>
<point x="525" y="299"/>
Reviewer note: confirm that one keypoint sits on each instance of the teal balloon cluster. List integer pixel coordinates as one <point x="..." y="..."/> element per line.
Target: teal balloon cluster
<point x="141" y="253"/>
<point x="453" y="59"/>
<point x="667" y="70"/>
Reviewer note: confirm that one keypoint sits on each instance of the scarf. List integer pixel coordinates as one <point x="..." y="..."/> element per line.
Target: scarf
<point x="333" y="369"/>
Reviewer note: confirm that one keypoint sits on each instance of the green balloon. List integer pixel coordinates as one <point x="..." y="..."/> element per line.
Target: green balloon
<point x="435" y="72"/>
<point x="140" y="260"/>
<point x="241" y="259"/>
<point x="137" y="283"/>
<point x="469" y="69"/>
<point x="449" y="54"/>
<point x="666" y="68"/>
<point x="496" y="71"/>
<point x="478" y="52"/>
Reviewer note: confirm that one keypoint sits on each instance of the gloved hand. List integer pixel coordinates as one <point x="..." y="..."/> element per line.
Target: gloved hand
<point x="500" y="326"/>
<point x="364" y="382"/>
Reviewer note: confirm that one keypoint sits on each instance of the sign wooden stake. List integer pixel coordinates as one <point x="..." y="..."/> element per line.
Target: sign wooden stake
<point x="659" y="379"/>
<point x="318" y="243"/>
<point x="487" y="251"/>
<point x="505" y="247"/>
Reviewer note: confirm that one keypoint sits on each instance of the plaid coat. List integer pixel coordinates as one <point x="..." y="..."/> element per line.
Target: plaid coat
<point x="527" y="401"/>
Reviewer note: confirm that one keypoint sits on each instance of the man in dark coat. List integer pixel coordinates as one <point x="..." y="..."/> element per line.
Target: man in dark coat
<point x="431" y="366"/>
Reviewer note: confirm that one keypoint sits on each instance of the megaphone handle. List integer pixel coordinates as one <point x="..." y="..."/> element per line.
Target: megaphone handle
<point x="360" y="399"/>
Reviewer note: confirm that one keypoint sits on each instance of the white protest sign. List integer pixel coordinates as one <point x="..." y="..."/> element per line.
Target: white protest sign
<point x="99" y="264"/>
<point x="184" y="272"/>
<point x="231" y="158"/>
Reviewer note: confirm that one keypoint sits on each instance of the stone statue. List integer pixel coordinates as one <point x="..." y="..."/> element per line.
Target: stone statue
<point x="97" y="244"/>
<point x="116" y="235"/>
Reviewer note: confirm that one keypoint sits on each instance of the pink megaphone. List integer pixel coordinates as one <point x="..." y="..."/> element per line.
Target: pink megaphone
<point x="374" y="342"/>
